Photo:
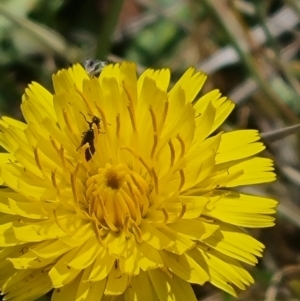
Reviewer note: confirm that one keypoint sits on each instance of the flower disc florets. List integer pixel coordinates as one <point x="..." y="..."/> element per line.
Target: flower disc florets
<point x="117" y="198"/>
<point x="117" y="186"/>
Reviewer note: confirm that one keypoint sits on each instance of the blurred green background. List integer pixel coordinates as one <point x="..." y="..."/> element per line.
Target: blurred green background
<point x="250" y="49"/>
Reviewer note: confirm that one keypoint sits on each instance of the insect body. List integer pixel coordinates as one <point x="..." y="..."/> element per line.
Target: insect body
<point x="89" y="136"/>
<point x="94" y="67"/>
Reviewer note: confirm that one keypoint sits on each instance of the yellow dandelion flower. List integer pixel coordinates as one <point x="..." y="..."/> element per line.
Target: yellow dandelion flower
<point x="117" y="189"/>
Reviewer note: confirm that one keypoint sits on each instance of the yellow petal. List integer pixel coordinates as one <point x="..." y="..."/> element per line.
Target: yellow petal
<point x="242" y="210"/>
<point x="255" y="171"/>
<point x="205" y="162"/>
<point x="38" y="231"/>
<point x="78" y="74"/>
<point x="140" y="289"/>
<point x="38" y="97"/>
<point x="204" y="123"/>
<point x="28" y="209"/>
<point x="61" y="273"/>
<point x="222" y="104"/>
<point x="16" y="123"/>
<point x="161" y="77"/>
<point x="11" y="137"/>
<point x="194" y="229"/>
<point x="170" y="289"/>
<point x="67" y="292"/>
<point x="224" y="107"/>
<point x="149" y="257"/>
<point x="29" y="260"/>
<point x="191" y="83"/>
<point x="7" y="237"/>
<point x="185" y="267"/>
<point x="130" y="265"/>
<point x="224" y="240"/>
<point x="102" y="266"/>
<point x="193" y="206"/>
<point x="89" y="291"/>
<point x="226" y="272"/>
<point x="155" y="237"/>
<point x="86" y="255"/>
<point x="50" y="249"/>
<point x="244" y="145"/>
<point x="117" y="244"/>
<point x="116" y="282"/>
<point x="181" y="242"/>
<point x="67" y="80"/>
<point x="128" y="80"/>
<point x="31" y="286"/>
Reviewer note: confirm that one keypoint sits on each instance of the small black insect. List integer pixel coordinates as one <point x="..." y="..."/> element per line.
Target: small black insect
<point x="89" y="136"/>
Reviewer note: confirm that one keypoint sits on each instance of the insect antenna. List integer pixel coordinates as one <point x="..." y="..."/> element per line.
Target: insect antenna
<point x="88" y="122"/>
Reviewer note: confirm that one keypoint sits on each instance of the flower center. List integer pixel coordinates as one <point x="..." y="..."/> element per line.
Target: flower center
<point x="117" y="198"/>
<point x="114" y="180"/>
